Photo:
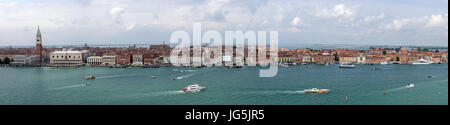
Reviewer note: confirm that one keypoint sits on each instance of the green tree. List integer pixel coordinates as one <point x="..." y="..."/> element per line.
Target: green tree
<point x="384" y="52"/>
<point x="397" y="59"/>
<point x="1" y="62"/>
<point x="336" y="58"/>
<point x="6" y="60"/>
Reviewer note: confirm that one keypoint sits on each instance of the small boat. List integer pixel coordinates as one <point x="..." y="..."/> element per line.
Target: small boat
<point x="90" y="77"/>
<point x="430" y="77"/>
<point x="86" y="84"/>
<point x="284" y="65"/>
<point x="153" y="76"/>
<point x="377" y="68"/>
<point x="233" y="67"/>
<point x="410" y="86"/>
<point x="422" y="62"/>
<point x="384" y="63"/>
<point x="316" y="90"/>
<point x="347" y="65"/>
<point x="193" y="88"/>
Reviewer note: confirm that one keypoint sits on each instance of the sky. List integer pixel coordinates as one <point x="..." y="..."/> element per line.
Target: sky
<point x="355" y="22"/>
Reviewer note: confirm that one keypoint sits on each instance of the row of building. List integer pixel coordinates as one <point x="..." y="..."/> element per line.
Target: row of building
<point x="133" y="56"/>
<point x="371" y="56"/>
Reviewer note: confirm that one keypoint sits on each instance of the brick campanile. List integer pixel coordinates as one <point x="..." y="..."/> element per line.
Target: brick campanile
<point x="39" y="44"/>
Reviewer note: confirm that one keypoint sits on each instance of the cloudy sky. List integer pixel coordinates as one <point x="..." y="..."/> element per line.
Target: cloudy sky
<point x="365" y="22"/>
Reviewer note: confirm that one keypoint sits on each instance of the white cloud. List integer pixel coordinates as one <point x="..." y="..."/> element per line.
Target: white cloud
<point x="338" y="11"/>
<point x="215" y="8"/>
<point x="437" y="21"/>
<point x="296" y="21"/>
<point x="130" y="27"/>
<point x="398" y="24"/>
<point x="420" y="23"/>
<point x="294" y="29"/>
<point x="116" y="14"/>
<point x="373" y="18"/>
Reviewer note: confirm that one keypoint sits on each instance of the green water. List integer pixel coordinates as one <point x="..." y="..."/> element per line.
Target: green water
<point x="135" y="86"/>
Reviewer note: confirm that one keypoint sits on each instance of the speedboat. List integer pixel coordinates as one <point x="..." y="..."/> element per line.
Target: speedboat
<point x="422" y="62"/>
<point x="193" y="88"/>
<point x="347" y="65"/>
<point x="410" y="86"/>
<point x="90" y="77"/>
<point x="153" y="76"/>
<point x="316" y="90"/>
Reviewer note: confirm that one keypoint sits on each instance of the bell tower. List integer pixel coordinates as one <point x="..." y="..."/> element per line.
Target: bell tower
<point x="39" y="44"/>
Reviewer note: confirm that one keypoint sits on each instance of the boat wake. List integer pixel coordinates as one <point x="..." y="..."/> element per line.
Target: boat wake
<point x="185" y="76"/>
<point x="167" y="93"/>
<point x="396" y="89"/>
<point x="112" y="76"/>
<point x="188" y="70"/>
<point x="68" y="87"/>
<point x="154" y="94"/>
<point x="279" y="92"/>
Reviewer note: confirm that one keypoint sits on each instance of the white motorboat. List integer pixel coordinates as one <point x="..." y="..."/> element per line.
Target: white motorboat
<point x="422" y="62"/>
<point x="410" y="86"/>
<point x="193" y="88"/>
<point x="316" y="90"/>
<point x="347" y="65"/>
<point x="284" y="65"/>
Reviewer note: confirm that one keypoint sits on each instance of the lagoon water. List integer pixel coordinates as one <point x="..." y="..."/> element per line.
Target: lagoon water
<point x="224" y="86"/>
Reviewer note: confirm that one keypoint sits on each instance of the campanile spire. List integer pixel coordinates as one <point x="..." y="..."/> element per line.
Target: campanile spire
<point x="39" y="43"/>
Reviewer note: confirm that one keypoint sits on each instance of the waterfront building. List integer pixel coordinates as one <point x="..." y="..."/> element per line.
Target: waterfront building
<point x="347" y="59"/>
<point x="123" y="59"/>
<point x="307" y="59"/>
<point x="25" y="60"/>
<point x="109" y="59"/>
<point x="375" y="59"/>
<point x="86" y="54"/>
<point x="148" y="59"/>
<point x="39" y="44"/>
<point x="324" y="59"/>
<point x="95" y="60"/>
<point x="138" y="59"/>
<point x="361" y="59"/>
<point x="66" y="58"/>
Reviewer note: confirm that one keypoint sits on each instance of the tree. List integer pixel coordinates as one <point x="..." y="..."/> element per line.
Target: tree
<point x="6" y="60"/>
<point x="1" y="62"/>
<point x="384" y="52"/>
<point x="397" y="59"/>
<point x="336" y="57"/>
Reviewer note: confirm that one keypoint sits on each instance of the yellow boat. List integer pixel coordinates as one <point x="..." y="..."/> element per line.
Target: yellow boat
<point x="316" y="90"/>
<point x="90" y="77"/>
